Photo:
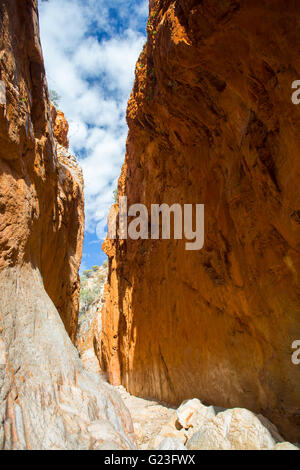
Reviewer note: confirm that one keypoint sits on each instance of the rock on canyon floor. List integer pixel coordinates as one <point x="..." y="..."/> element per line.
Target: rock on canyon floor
<point x="194" y="426"/>
<point x="157" y="426"/>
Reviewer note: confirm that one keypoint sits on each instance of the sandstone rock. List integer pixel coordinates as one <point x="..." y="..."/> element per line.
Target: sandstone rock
<point x="244" y="430"/>
<point x="108" y="445"/>
<point x="210" y="437"/>
<point x="42" y="205"/>
<point x="271" y="428"/>
<point x="285" y="446"/>
<point x="211" y="122"/>
<point x="193" y="413"/>
<point x="169" y="430"/>
<point x="149" y="419"/>
<point x="171" y="443"/>
<point x="235" y="429"/>
<point x="47" y="399"/>
<point x="60" y="126"/>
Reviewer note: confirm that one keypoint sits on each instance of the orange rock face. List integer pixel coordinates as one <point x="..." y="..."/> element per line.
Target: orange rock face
<point x="211" y="122"/>
<point x="47" y="399"/>
<point x="60" y="127"/>
<point x="41" y="186"/>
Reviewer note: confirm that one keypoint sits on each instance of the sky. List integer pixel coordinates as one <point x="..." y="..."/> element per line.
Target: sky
<point x="90" y="49"/>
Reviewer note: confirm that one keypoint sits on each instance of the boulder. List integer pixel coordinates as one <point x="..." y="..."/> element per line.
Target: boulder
<point x="192" y="413"/>
<point x="171" y="443"/>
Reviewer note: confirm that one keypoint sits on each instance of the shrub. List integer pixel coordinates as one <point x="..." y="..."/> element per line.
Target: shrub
<point x="87" y="273"/>
<point x="101" y="277"/>
<point x="54" y="97"/>
<point x="86" y="297"/>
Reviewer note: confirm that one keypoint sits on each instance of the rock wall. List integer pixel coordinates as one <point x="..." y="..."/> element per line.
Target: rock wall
<point x="62" y="281"/>
<point x="211" y="121"/>
<point x="47" y="399"/>
<point x="88" y="339"/>
<point x="42" y="206"/>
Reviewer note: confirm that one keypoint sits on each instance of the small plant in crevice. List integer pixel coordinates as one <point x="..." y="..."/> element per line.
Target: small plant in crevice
<point x="151" y="21"/>
<point x="54" y="97"/>
<point x="91" y="283"/>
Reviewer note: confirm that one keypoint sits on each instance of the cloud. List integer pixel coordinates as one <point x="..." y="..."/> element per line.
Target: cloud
<point x="90" y="49"/>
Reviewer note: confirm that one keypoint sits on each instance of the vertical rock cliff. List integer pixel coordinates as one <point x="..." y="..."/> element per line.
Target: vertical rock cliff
<point x="42" y="213"/>
<point x="211" y="122"/>
<point x="61" y="278"/>
<point x="47" y="399"/>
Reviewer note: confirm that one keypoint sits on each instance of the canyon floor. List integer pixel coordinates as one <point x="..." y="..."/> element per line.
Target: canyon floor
<point x="194" y="426"/>
<point x="149" y="417"/>
<point x="158" y="426"/>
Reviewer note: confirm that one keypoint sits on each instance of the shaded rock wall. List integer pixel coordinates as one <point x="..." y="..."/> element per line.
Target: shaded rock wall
<point x="47" y="399"/>
<point x="211" y="121"/>
<point x="41" y="195"/>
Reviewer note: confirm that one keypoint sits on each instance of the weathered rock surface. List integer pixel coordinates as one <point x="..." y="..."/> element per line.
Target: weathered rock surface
<point x="47" y="399"/>
<point x="157" y="427"/>
<point x="211" y="121"/>
<point x="150" y="420"/>
<point x="42" y="213"/>
<point x="90" y="316"/>
<point x="171" y="443"/>
<point x="193" y="413"/>
<point x="60" y="127"/>
<point x="285" y="446"/>
<point x="234" y="429"/>
<point x="242" y="429"/>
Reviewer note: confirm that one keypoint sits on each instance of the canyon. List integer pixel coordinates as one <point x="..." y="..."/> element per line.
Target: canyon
<point x="164" y="348"/>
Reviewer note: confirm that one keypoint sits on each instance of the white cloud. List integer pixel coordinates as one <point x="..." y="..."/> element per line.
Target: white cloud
<point x="90" y="49"/>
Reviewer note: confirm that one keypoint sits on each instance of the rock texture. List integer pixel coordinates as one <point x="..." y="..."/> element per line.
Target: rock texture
<point x="90" y="317"/>
<point x="60" y="127"/>
<point x="158" y="427"/>
<point x="211" y="121"/>
<point x="41" y="196"/>
<point x="47" y="399"/>
<point x="152" y="421"/>
<point x="62" y="281"/>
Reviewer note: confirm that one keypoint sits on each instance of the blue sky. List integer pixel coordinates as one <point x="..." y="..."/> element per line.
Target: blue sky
<point x="90" y="49"/>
